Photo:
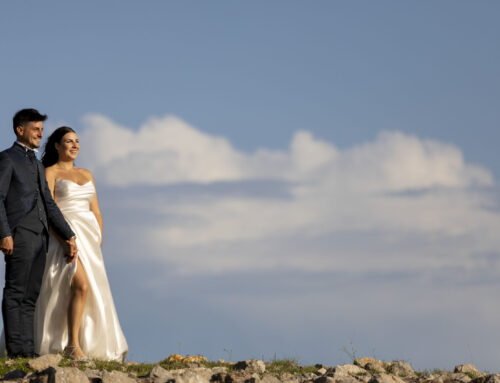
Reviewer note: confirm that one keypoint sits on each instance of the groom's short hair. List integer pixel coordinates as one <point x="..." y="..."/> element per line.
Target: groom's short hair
<point x="24" y="116"/>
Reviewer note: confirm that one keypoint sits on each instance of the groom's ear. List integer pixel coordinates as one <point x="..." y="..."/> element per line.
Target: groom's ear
<point x="19" y="130"/>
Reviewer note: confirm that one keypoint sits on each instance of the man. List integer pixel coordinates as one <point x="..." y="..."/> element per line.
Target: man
<point x="26" y="211"/>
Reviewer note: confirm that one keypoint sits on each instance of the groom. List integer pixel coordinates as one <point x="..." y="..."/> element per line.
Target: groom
<point x="26" y="211"/>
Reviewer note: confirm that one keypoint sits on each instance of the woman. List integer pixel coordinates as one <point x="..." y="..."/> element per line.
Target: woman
<point x="75" y="311"/>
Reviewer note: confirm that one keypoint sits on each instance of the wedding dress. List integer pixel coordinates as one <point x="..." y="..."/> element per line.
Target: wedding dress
<point x="100" y="333"/>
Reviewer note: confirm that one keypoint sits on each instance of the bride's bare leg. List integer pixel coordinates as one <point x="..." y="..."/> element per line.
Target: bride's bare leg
<point x="79" y="291"/>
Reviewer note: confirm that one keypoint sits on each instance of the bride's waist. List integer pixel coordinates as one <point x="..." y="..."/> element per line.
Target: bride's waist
<point x="84" y="209"/>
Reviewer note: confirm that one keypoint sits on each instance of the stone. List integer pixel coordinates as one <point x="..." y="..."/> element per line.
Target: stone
<point x="174" y="358"/>
<point x="93" y="375"/>
<point x="456" y="377"/>
<point x="287" y="377"/>
<point x="362" y="362"/>
<point x="67" y="375"/>
<point x="217" y="370"/>
<point x="45" y="361"/>
<point x="364" y="378"/>
<point x="385" y="378"/>
<point x="251" y="365"/>
<point x="234" y="377"/>
<point x="493" y="378"/>
<point x="269" y="379"/>
<point x="309" y="376"/>
<point x="325" y="379"/>
<point x="400" y="368"/>
<point x="322" y="371"/>
<point x="159" y="375"/>
<point x="193" y="375"/>
<point x="345" y="370"/>
<point x="116" y="377"/>
<point x="15" y="374"/>
<point x="467" y="369"/>
<point x="348" y="379"/>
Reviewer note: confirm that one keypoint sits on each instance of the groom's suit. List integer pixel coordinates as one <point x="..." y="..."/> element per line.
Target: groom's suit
<point x="26" y="210"/>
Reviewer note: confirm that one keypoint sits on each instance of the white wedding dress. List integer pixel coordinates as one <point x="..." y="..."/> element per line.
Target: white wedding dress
<point x="101" y="336"/>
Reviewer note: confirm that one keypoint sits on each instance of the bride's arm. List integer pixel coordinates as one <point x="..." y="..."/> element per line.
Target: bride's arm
<point x="94" y="205"/>
<point x="50" y="176"/>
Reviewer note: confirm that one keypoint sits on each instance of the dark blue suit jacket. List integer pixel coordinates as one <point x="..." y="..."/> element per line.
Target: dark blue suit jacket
<point x="18" y="190"/>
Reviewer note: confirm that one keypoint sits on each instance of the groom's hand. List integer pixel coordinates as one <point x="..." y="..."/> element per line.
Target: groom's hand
<point x="72" y="250"/>
<point x="7" y="245"/>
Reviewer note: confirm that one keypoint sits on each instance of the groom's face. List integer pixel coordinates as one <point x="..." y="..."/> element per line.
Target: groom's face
<point x="31" y="134"/>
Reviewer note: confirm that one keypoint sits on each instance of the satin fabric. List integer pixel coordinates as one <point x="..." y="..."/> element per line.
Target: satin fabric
<point x="100" y="333"/>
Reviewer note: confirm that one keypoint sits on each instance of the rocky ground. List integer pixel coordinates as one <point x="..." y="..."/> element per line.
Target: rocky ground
<point x="175" y="369"/>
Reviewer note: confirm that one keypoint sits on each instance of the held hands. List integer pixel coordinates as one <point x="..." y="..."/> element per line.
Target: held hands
<point x="7" y="245"/>
<point x="71" y="250"/>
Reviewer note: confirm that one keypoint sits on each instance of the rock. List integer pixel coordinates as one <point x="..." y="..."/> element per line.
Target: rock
<point x="45" y="361"/>
<point x="363" y="378"/>
<point x="15" y="374"/>
<point x="159" y="375"/>
<point x="400" y="368"/>
<point x="325" y="379"/>
<point x="217" y="370"/>
<point x="309" y="376"/>
<point x="362" y="362"/>
<point x="66" y="375"/>
<point x="174" y="358"/>
<point x="349" y="379"/>
<point x="456" y="377"/>
<point x="386" y="378"/>
<point x="270" y="379"/>
<point x="251" y="365"/>
<point x="322" y="371"/>
<point x="377" y="366"/>
<point x="193" y="375"/>
<point x="493" y="378"/>
<point x="467" y="369"/>
<point x="116" y="377"/>
<point x="345" y="370"/>
<point x="93" y="375"/>
<point x="235" y="377"/>
<point x="286" y="377"/>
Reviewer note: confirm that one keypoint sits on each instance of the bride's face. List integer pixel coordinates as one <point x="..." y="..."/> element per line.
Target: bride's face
<point x="69" y="147"/>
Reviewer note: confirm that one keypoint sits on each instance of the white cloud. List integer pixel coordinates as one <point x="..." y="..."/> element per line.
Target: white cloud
<point x="387" y="243"/>
<point x="395" y="187"/>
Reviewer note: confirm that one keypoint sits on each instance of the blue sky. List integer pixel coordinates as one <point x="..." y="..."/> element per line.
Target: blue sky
<point x="282" y="177"/>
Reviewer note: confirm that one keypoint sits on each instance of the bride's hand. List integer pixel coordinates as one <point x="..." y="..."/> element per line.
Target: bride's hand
<point x="71" y="250"/>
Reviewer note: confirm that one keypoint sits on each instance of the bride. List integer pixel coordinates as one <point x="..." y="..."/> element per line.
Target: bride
<point x="75" y="312"/>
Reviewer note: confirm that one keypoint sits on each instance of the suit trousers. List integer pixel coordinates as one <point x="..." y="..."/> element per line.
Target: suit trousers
<point x="23" y="278"/>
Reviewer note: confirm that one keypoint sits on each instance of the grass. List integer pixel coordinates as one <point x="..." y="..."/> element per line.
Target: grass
<point x="7" y="365"/>
<point x="275" y="366"/>
<point x="290" y="366"/>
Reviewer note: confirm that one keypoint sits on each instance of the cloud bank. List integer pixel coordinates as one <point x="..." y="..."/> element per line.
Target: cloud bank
<point x="397" y="203"/>
<point x="391" y="244"/>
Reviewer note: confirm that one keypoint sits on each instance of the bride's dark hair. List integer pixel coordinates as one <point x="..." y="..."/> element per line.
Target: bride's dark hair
<point x="50" y="155"/>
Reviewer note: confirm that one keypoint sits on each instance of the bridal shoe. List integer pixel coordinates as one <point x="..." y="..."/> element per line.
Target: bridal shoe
<point x="70" y="351"/>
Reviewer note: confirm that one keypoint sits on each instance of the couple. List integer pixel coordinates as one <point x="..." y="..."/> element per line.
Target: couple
<point x="56" y="295"/>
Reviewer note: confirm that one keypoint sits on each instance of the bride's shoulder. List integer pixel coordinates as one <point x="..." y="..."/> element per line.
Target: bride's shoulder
<point x="87" y="173"/>
<point x="51" y="171"/>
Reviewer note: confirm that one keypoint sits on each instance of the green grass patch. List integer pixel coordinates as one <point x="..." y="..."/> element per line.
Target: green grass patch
<point x="7" y="365"/>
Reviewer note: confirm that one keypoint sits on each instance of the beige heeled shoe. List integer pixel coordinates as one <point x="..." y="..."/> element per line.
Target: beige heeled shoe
<point x="69" y="352"/>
